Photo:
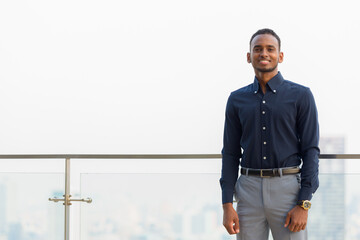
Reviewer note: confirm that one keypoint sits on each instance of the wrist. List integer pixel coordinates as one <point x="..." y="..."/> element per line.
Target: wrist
<point x="301" y="209"/>
<point x="227" y="206"/>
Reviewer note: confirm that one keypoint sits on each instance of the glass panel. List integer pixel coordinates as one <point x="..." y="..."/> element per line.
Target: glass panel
<point x="151" y="206"/>
<point x="163" y="199"/>
<point x="25" y="211"/>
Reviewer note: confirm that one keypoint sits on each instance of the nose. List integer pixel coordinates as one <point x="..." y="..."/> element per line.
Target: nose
<point x="264" y="53"/>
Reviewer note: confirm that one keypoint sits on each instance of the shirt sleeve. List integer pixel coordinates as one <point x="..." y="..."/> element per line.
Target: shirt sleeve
<point x="231" y="152"/>
<point x="308" y="133"/>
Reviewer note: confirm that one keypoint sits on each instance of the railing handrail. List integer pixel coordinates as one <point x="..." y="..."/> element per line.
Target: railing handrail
<point x="146" y="156"/>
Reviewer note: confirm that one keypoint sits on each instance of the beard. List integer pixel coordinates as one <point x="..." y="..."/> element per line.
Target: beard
<point x="265" y="70"/>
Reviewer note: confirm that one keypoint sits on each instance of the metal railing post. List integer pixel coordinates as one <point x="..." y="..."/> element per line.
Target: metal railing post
<point x="66" y="199"/>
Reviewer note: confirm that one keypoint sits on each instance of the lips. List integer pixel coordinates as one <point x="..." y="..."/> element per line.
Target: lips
<point x="264" y="62"/>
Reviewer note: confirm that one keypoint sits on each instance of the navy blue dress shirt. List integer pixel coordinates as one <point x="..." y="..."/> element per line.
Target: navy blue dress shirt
<point x="272" y="130"/>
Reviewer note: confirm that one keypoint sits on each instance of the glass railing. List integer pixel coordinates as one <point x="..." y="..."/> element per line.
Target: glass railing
<point x="152" y="199"/>
<point x="146" y="197"/>
<point x="25" y="212"/>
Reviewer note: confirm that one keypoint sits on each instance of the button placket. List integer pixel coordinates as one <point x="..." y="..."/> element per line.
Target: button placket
<point x="263" y="116"/>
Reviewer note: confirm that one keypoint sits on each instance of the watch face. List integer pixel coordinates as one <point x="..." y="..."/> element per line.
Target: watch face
<point x="307" y="204"/>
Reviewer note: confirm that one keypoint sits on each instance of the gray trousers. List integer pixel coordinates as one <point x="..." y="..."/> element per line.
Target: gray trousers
<point x="263" y="203"/>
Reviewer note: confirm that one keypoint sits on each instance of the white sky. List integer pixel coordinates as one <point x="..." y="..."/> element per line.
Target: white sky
<point x="154" y="76"/>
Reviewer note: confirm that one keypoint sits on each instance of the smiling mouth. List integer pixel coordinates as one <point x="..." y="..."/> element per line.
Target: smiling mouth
<point x="264" y="62"/>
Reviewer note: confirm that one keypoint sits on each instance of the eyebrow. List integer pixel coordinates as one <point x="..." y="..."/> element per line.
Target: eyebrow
<point x="262" y="46"/>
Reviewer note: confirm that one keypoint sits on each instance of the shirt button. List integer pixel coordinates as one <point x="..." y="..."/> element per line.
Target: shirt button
<point x="255" y="92"/>
<point x="264" y="102"/>
<point x="264" y="158"/>
<point x="274" y="91"/>
<point x="264" y="128"/>
<point x="264" y="143"/>
<point x="263" y="112"/>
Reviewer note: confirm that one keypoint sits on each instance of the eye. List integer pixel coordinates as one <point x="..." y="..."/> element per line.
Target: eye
<point x="257" y="49"/>
<point x="271" y="49"/>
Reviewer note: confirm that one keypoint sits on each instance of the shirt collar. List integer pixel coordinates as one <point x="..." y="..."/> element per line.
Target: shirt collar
<point x="273" y="84"/>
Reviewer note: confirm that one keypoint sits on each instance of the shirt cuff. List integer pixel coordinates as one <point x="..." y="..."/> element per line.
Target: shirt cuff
<point x="305" y="194"/>
<point x="227" y="196"/>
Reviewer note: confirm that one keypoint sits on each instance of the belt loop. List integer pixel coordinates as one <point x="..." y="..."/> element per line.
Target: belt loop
<point x="280" y="172"/>
<point x="247" y="172"/>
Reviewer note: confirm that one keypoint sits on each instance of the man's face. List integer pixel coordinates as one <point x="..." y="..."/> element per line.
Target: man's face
<point x="264" y="53"/>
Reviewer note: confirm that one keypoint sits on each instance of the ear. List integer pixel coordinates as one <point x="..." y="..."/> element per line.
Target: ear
<point x="281" y="57"/>
<point x="248" y="57"/>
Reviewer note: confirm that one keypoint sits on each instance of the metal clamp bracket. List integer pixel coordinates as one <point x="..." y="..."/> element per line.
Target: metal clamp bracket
<point x="67" y="200"/>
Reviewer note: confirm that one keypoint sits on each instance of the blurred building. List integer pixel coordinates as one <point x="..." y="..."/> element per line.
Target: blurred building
<point x="327" y="215"/>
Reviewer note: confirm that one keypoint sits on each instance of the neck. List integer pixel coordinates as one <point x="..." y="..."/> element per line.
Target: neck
<point x="264" y="78"/>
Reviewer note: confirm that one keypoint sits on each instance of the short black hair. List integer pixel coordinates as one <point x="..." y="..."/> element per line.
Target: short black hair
<point x="266" y="31"/>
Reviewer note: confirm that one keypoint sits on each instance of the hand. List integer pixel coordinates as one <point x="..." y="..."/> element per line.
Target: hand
<point x="230" y="219"/>
<point x="296" y="219"/>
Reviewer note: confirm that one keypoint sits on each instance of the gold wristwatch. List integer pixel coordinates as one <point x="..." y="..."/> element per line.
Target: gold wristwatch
<point x="305" y="204"/>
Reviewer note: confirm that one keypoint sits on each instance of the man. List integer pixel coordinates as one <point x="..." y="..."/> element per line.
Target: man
<point x="272" y="126"/>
